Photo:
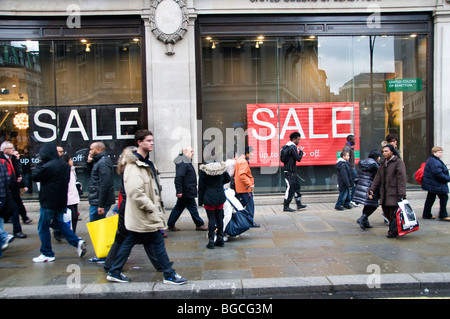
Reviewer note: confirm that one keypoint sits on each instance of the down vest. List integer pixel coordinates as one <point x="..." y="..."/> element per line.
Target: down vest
<point x="435" y="176"/>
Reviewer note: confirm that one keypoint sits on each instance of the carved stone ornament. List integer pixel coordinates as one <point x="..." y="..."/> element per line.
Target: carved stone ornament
<point x="169" y="21"/>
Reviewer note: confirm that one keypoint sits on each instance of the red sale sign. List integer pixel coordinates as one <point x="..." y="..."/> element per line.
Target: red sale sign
<point x="323" y="126"/>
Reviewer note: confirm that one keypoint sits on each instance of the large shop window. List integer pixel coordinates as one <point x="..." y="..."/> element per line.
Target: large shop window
<point x="256" y="90"/>
<point x="71" y="92"/>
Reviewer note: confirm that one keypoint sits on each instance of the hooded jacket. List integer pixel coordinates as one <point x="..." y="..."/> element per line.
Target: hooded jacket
<point x="54" y="174"/>
<point x="295" y="155"/>
<point x="144" y="208"/>
<point x="344" y="174"/>
<point x="185" y="177"/>
<point x="435" y="176"/>
<point x="212" y="177"/>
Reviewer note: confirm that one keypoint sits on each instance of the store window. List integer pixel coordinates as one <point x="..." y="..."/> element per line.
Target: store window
<point x="71" y="92"/>
<point x="257" y="90"/>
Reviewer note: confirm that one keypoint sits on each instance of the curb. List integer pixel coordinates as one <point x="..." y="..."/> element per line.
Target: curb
<point x="398" y="285"/>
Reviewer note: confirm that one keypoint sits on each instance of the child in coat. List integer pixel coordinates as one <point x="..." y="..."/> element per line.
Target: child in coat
<point x="345" y="181"/>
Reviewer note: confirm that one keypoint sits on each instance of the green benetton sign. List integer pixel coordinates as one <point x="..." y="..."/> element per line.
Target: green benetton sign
<point x="402" y="85"/>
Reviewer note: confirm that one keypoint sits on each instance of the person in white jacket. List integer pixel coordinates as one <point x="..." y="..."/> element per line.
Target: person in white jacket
<point x="73" y="198"/>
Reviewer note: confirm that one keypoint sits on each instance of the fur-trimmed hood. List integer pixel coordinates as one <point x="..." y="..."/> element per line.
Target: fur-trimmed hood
<point x="214" y="168"/>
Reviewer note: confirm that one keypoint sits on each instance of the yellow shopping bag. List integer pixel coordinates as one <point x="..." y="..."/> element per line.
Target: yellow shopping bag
<point x="103" y="234"/>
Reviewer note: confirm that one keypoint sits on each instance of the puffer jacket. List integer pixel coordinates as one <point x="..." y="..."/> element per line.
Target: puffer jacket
<point x="344" y="174"/>
<point x="212" y="177"/>
<point x="390" y="181"/>
<point x="435" y="176"/>
<point x="367" y="169"/>
<point x="101" y="184"/>
<point x="144" y="207"/>
<point x="54" y="174"/>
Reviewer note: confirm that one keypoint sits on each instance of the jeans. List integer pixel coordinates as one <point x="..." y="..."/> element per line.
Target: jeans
<point x="344" y="197"/>
<point x="154" y="246"/>
<point x="93" y="213"/>
<point x="246" y="200"/>
<point x="55" y="216"/>
<point x="3" y="235"/>
<point x="431" y="197"/>
<point x="191" y="206"/>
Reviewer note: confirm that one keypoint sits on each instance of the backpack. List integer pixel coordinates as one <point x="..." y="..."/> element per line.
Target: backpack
<point x="284" y="154"/>
<point x="418" y="175"/>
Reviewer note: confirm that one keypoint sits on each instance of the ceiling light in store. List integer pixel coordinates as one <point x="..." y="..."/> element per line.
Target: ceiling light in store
<point x="20" y="121"/>
<point x="413" y="35"/>
<point x="213" y="45"/>
<point x="88" y="47"/>
<point x="257" y="45"/>
<point x="83" y="41"/>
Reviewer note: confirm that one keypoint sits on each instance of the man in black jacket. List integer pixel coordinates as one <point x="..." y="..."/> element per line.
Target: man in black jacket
<point x="53" y="174"/>
<point x="186" y="190"/>
<point x="293" y="155"/>
<point x="101" y="185"/>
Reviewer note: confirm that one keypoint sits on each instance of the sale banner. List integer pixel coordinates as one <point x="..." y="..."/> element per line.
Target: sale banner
<point x="324" y="128"/>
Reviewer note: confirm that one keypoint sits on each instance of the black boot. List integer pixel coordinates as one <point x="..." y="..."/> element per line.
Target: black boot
<point x="210" y="244"/>
<point x="286" y="207"/>
<point x="299" y="204"/>
<point x="362" y="221"/>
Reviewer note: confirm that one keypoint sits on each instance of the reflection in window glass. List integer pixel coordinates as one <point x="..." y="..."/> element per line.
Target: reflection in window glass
<point x="71" y="93"/>
<point x="326" y="87"/>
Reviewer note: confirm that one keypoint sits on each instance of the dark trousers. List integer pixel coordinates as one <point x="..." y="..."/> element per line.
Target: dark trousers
<point x="431" y="197"/>
<point x="389" y="212"/>
<point x="292" y="187"/>
<point x="215" y="219"/>
<point x="154" y="247"/>
<point x="191" y="206"/>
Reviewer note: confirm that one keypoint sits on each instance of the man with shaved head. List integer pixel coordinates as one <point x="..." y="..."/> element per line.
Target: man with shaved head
<point x="101" y="185"/>
<point x="186" y="190"/>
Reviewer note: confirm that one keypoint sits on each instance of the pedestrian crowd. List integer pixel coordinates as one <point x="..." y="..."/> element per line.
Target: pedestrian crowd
<point x="222" y="188"/>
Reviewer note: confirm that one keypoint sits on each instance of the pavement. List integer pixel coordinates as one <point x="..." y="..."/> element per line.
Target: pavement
<point x="315" y="253"/>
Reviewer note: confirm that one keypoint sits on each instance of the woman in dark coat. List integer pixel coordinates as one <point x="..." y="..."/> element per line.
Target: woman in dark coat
<point x="435" y="179"/>
<point x="390" y="184"/>
<point x="212" y="177"/>
<point x="367" y="169"/>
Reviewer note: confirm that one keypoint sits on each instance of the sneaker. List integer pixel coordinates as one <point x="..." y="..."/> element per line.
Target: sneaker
<point x="176" y="279"/>
<point x="81" y="248"/>
<point x="97" y="260"/>
<point x="354" y="204"/>
<point x="43" y="259"/>
<point x="118" y="278"/>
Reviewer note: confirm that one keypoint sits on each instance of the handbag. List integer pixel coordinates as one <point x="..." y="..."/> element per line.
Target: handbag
<point x="406" y="218"/>
<point x="67" y="218"/>
<point x="103" y="234"/>
<point x="240" y="221"/>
